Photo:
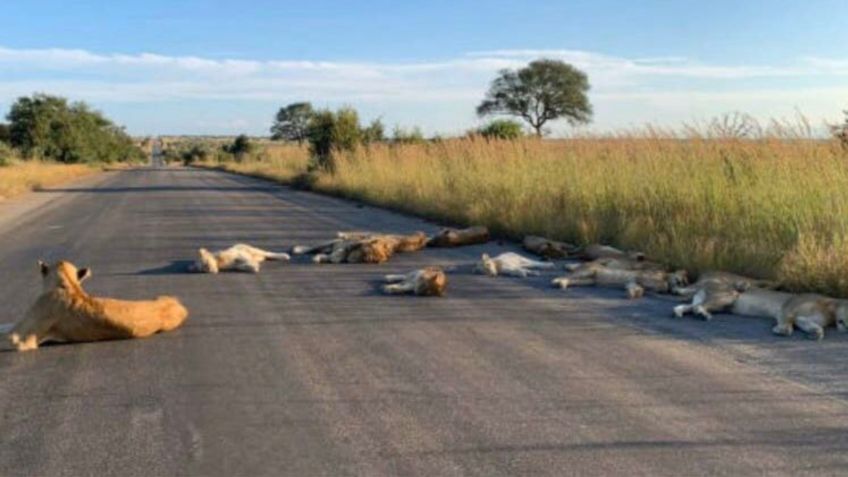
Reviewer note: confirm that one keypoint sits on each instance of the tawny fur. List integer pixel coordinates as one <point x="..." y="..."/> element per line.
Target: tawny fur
<point x="811" y="314"/>
<point x="714" y="292"/>
<point x="510" y="264"/>
<point x="449" y="237"/>
<point x="595" y="251"/>
<point x="617" y="263"/>
<point x="240" y="257"/>
<point x="363" y="247"/>
<point x="760" y="303"/>
<point x="430" y="281"/>
<point x="64" y="312"/>
<point x="634" y="282"/>
<point x="548" y="248"/>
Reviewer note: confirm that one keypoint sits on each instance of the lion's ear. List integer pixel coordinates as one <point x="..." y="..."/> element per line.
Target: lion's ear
<point x="485" y="256"/>
<point x="43" y="268"/>
<point x="83" y="274"/>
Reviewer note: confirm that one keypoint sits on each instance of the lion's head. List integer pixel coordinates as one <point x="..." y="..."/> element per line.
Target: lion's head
<point x="376" y="250"/>
<point x="678" y="279"/>
<point x="486" y="266"/>
<point x="433" y="282"/>
<point x="62" y="274"/>
<point x="205" y="263"/>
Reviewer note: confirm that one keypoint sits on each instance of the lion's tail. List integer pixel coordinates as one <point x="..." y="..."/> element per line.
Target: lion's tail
<point x="172" y="312"/>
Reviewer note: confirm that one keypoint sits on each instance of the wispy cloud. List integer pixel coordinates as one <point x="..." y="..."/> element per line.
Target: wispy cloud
<point x="145" y="77"/>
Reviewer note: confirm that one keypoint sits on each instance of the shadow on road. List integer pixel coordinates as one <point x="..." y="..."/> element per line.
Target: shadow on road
<point x="174" y="268"/>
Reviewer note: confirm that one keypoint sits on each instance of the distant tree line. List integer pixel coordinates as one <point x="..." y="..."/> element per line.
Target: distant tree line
<point x="50" y="128"/>
<point x="543" y="91"/>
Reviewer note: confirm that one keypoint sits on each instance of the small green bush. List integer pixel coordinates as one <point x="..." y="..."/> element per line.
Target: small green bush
<point x="375" y="132"/>
<point x="329" y="131"/>
<point x="502" y="129"/>
<point x="6" y="154"/>
<point x="408" y="136"/>
<point x="240" y="147"/>
<point x="195" y="153"/>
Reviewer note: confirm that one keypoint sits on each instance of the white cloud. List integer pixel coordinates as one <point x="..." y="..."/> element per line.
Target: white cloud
<point x="667" y="86"/>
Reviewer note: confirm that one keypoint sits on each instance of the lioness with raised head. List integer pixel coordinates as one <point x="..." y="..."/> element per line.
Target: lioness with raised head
<point x="548" y="248"/>
<point x="430" y="281"/>
<point x="240" y="257"/>
<point x="449" y="237"/>
<point x="65" y="313"/>
<point x="510" y="264"/>
<point x="635" y="282"/>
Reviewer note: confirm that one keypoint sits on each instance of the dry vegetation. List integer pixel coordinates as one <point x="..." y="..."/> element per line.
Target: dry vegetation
<point x="20" y="177"/>
<point x="773" y="206"/>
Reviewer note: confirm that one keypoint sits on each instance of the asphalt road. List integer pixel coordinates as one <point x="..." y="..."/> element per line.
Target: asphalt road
<point x="306" y="370"/>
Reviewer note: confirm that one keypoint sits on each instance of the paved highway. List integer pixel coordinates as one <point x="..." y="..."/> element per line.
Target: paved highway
<point x="306" y="370"/>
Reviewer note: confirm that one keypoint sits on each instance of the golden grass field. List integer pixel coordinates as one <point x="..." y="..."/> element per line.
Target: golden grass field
<point x="771" y="207"/>
<point x="25" y="176"/>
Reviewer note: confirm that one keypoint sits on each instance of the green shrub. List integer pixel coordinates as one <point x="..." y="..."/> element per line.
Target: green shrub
<point x="375" y="132"/>
<point x="329" y="131"/>
<point x="840" y="131"/>
<point x="51" y="128"/>
<point x="6" y="154"/>
<point x="240" y="147"/>
<point x="410" y="136"/>
<point x="502" y="129"/>
<point x="195" y="153"/>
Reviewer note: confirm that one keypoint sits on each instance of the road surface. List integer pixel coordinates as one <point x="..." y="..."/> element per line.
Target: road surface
<point x="306" y="370"/>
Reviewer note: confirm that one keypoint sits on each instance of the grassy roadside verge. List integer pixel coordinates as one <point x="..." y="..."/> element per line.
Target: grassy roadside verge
<point x="25" y="176"/>
<point x="771" y="207"/>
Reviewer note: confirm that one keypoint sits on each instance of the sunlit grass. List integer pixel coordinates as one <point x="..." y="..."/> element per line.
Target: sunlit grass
<point x="282" y="162"/>
<point x="25" y="176"/>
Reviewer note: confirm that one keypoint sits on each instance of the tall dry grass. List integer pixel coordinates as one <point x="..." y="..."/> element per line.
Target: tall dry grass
<point x="25" y="176"/>
<point x="280" y="161"/>
<point x="776" y="206"/>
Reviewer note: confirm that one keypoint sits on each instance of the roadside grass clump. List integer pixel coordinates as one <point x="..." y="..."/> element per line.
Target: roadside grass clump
<point x="283" y="162"/>
<point x="19" y="177"/>
<point x="7" y="154"/>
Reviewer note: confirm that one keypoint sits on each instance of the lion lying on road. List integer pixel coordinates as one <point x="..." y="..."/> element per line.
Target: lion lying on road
<point x="430" y="281"/>
<point x="625" y="274"/>
<point x="509" y="264"/>
<point x="548" y="248"/>
<point x="240" y="257"/>
<point x="715" y="292"/>
<point x="812" y="314"/>
<point x="596" y="251"/>
<point x="66" y="313"/>
<point x="449" y="237"/>
<point x="363" y="247"/>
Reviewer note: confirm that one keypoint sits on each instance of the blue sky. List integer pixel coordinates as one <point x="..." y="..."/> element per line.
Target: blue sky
<point x="224" y="67"/>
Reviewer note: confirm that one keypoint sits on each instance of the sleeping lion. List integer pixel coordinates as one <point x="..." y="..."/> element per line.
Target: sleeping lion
<point x="430" y="281"/>
<point x="240" y="257"/>
<point x="362" y="247"/>
<point x="634" y="281"/>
